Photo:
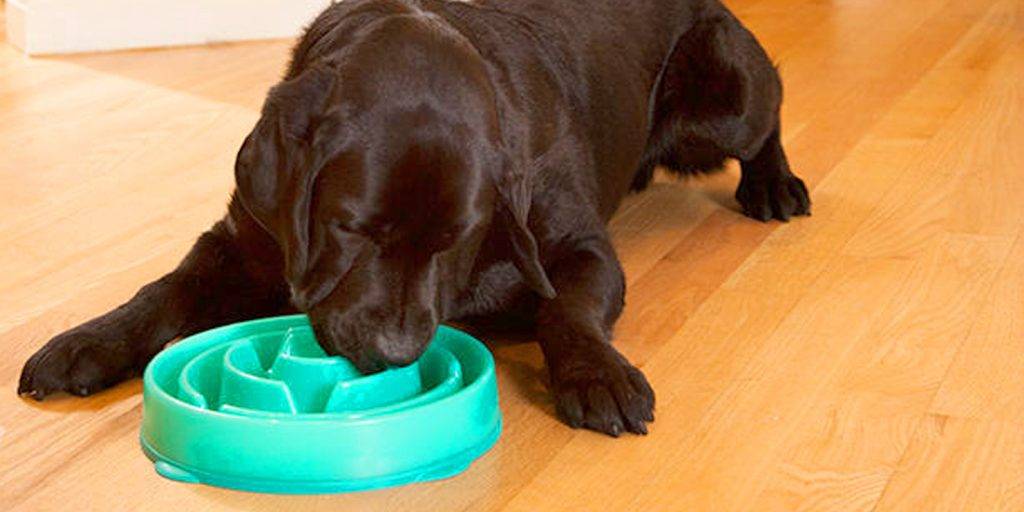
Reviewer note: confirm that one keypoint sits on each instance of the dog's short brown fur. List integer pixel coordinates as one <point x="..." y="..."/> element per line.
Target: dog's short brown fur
<point x="425" y="161"/>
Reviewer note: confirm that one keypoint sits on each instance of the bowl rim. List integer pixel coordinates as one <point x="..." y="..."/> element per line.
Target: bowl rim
<point x="157" y="392"/>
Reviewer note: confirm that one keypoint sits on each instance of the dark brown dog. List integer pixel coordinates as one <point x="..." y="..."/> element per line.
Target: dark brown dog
<point x="426" y="161"/>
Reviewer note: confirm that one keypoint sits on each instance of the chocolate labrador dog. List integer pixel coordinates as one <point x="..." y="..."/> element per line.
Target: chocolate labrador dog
<point x="427" y="161"/>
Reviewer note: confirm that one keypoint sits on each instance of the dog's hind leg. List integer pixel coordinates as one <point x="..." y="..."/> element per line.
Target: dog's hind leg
<point x="767" y="188"/>
<point x="232" y="273"/>
<point x="719" y="97"/>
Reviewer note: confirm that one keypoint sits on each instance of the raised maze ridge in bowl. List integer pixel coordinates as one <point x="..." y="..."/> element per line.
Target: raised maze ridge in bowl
<point x="287" y="373"/>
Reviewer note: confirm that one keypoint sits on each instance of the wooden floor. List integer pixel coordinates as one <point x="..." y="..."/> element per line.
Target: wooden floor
<point x="870" y="357"/>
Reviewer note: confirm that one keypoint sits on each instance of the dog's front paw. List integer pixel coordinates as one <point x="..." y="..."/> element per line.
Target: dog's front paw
<point x="778" y="197"/>
<point x="597" y="388"/>
<point x="76" y="362"/>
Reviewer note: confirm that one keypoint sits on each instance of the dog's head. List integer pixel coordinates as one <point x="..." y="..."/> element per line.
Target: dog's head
<point x="379" y="172"/>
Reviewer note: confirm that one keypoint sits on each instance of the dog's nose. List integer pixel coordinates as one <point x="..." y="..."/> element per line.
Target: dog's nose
<point x="400" y="349"/>
<point x="401" y="360"/>
<point x="368" y="364"/>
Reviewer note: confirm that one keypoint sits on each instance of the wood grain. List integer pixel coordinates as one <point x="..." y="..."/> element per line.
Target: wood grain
<point x="870" y="357"/>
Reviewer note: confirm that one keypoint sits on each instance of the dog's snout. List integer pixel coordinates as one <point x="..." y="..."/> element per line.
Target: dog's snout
<point x="400" y="348"/>
<point x="366" y="360"/>
<point x="372" y="349"/>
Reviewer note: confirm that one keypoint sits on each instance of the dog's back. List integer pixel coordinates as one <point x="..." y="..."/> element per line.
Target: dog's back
<point x="674" y="83"/>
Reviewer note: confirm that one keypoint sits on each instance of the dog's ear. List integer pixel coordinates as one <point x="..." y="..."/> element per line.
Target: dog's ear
<point x="514" y="194"/>
<point x="279" y="161"/>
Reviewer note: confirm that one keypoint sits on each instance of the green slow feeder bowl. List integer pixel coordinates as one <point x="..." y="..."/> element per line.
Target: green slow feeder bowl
<point x="258" y="406"/>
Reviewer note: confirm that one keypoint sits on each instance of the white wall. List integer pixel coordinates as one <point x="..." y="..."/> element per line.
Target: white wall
<point x="66" y="26"/>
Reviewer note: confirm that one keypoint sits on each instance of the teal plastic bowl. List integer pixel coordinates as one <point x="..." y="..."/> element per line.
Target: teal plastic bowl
<point x="258" y="406"/>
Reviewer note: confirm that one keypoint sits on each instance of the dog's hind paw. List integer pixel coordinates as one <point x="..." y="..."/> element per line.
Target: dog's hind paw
<point x="777" y="197"/>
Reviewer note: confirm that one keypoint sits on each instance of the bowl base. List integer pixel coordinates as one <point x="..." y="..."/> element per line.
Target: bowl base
<point x="437" y="471"/>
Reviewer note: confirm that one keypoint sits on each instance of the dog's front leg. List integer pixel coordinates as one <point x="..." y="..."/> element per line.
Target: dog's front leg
<point x="232" y="273"/>
<point x="594" y="385"/>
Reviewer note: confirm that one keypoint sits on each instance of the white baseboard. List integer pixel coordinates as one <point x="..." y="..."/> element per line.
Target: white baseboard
<point x="67" y="26"/>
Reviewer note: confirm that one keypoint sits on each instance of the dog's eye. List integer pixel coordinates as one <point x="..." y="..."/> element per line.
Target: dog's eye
<point x="380" y="234"/>
<point x="346" y="230"/>
<point x="341" y="228"/>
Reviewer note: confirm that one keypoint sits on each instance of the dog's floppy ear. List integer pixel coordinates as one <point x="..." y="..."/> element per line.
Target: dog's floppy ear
<point x="514" y="194"/>
<point x="278" y="164"/>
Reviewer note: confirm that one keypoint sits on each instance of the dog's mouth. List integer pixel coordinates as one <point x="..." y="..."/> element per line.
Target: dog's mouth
<point x="368" y="365"/>
<point x="370" y="350"/>
<point x="369" y="361"/>
<point x="366" y="361"/>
